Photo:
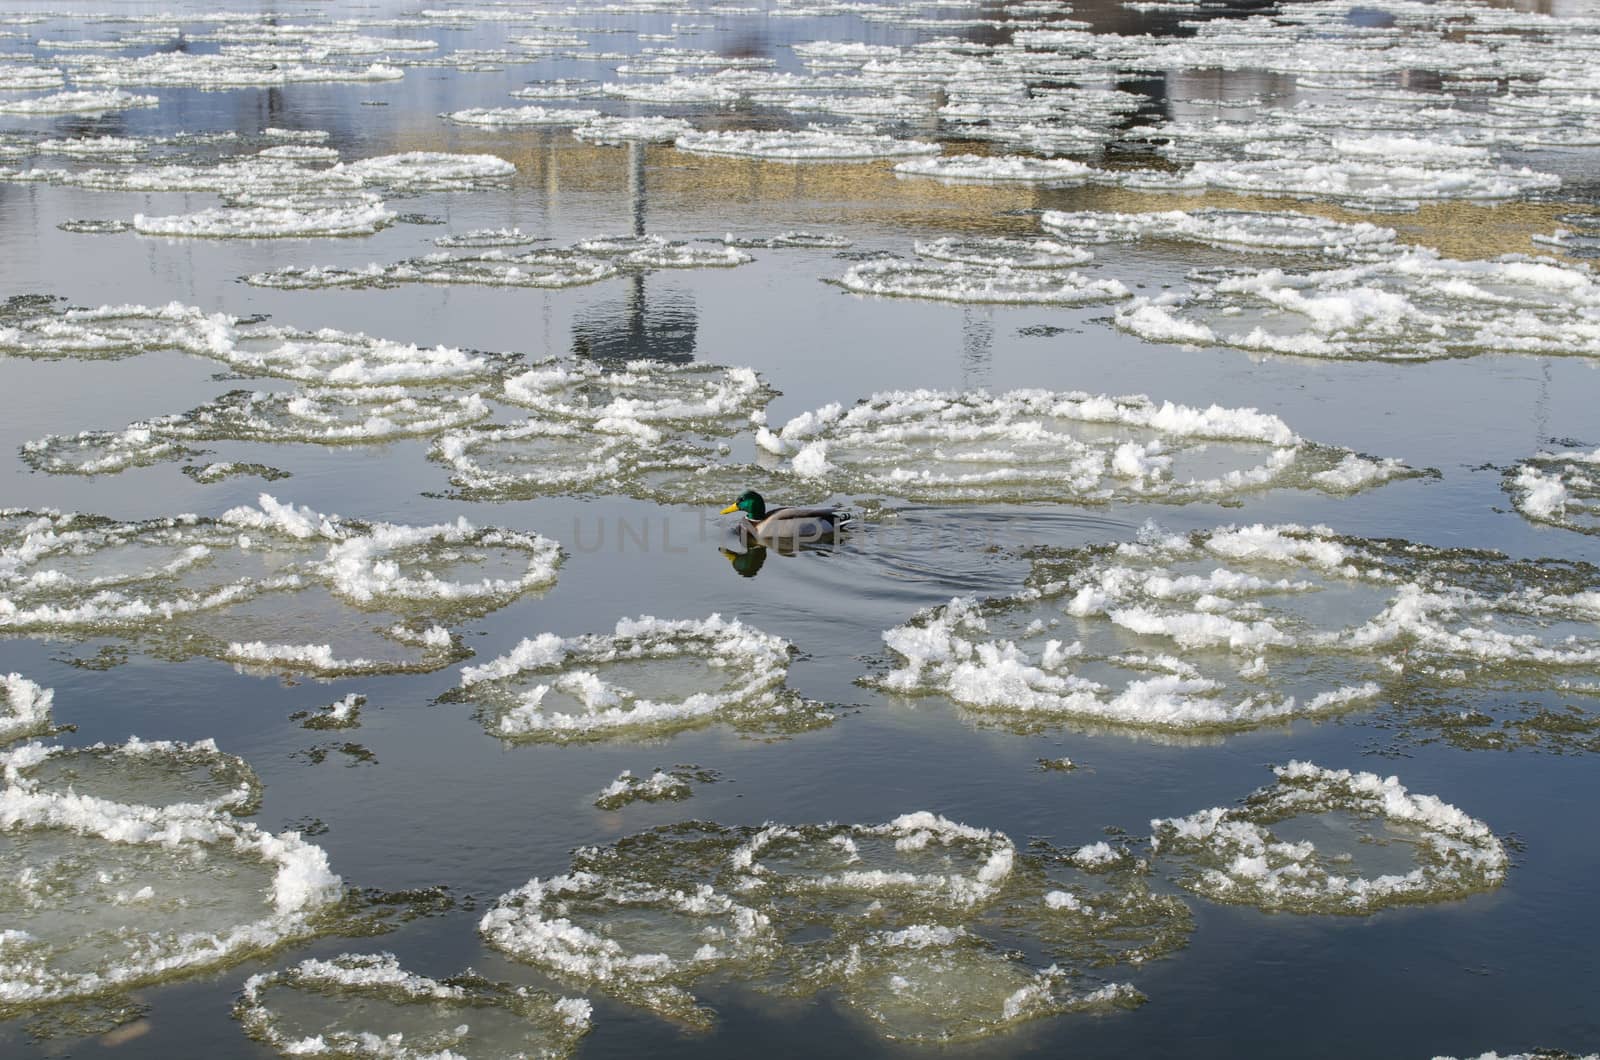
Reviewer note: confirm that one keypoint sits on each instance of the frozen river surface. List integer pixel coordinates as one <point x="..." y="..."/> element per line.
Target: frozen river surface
<point x="1211" y="668"/>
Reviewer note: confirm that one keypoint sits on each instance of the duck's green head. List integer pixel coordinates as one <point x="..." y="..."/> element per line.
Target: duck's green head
<point x="750" y="503"/>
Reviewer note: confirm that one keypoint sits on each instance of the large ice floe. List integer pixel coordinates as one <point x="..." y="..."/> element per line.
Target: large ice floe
<point x="1281" y="232"/>
<point x="1559" y="488"/>
<point x="641" y="427"/>
<point x="1412" y="306"/>
<point x="640" y="398"/>
<point x="917" y="925"/>
<point x="17" y="78"/>
<point x="336" y="596"/>
<point x="480" y="238"/>
<point x="963" y="281"/>
<point x="122" y="866"/>
<point x="1028" y="445"/>
<point x="673" y="90"/>
<point x="1003" y="169"/>
<point x="618" y="130"/>
<point x="285" y="192"/>
<point x="233" y="69"/>
<point x="1001" y="252"/>
<point x="1300" y="846"/>
<point x="41" y="328"/>
<point x="1251" y="625"/>
<point x="816" y="144"/>
<point x="521" y="116"/>
<point x="75" y="103"/>
<point x="666" y="432"/>
<point x="585" y="262"/>
<point x="283" y="219"/>
<point x="367" y="1005"/>
<point x="312" y="415"/>
<point x="648" y="677"/>
<point x="1351" y="181"/>
<point x="987" y="269"/>
<point x="793" y="239"/>
<point x="187" y="778"/>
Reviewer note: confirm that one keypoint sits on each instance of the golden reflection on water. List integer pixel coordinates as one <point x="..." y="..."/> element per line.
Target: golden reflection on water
<point x="870" y="194"/>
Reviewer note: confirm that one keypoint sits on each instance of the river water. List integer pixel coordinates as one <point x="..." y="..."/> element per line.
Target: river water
<point x="1439" y="377"/>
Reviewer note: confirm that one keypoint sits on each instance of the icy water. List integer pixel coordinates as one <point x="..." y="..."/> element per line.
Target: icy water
<point x="1211" y="668"/>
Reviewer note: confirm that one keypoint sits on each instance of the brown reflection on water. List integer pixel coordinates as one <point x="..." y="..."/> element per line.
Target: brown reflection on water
<point x="843" y="195"/>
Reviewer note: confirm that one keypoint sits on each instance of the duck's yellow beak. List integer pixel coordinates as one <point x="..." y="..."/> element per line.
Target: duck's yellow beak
<point x="729" y="510"/>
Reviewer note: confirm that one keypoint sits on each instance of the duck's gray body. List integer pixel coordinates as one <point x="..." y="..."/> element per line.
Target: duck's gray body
<point x="795" y="524"/>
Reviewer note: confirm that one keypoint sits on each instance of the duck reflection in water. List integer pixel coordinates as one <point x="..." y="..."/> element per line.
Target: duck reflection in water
<point x="746" y="564"/>
<point x="747" y="558"/>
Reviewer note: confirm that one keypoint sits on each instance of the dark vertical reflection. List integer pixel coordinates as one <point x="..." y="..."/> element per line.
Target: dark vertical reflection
<point x="636" y="189"/>
<point x="1541" y="406"/>
<point x="637" y="327"/>
<point x="977" y="346"/>
<point x="1158" y="100"/>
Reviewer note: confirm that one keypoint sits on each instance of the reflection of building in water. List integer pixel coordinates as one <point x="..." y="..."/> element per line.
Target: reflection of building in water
<point x="1115" y="17"/>
<point x="977" y="345"/>
<point x="1194" y="95"/>
<point x="637" y="328"/>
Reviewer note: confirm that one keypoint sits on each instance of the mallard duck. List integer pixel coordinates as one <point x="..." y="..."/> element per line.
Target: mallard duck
<point x="785" y="524"/>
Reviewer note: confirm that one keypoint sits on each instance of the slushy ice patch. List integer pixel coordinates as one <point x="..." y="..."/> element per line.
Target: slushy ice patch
<point x="487" y="237"/>
<point x="193" y="779"/>
<point x="660" y="786"/>
<point x="638" y="428"/>
<point x="1407" y="307"/>
<point x="283" y="192"/>
<point x="24" y="707"/>
<point x="588" y="261"/>
<point x="343" y="714"/>
<point x="648" y="677"/>
<point x="918" y="925"/>
<point x="1561" y="489"/>
<point x="1250" y="854"/>
<point x="1245" y="626"/>
<point x="45" y="330"/>
<point x="311" y="415"/>
<point x="99" y="896"/>
<point x="1000" y="252"/>
<point x="962" y="281"/>
<point x="617" y="130"/>
<point x="187" y="586"/>
<point x="75" y="103"/>
<point x="1283" y="232"/>
<point x="815" y="144"/>
<point x="367" y="1005"/>
<point x="1035" y="445"/>
<point x="1356" y="181"/>
<point x="520" y="116"/>
<point x="282" y="220"/>
<point x="998" y="169"/>
<point x="642" y="398"/>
